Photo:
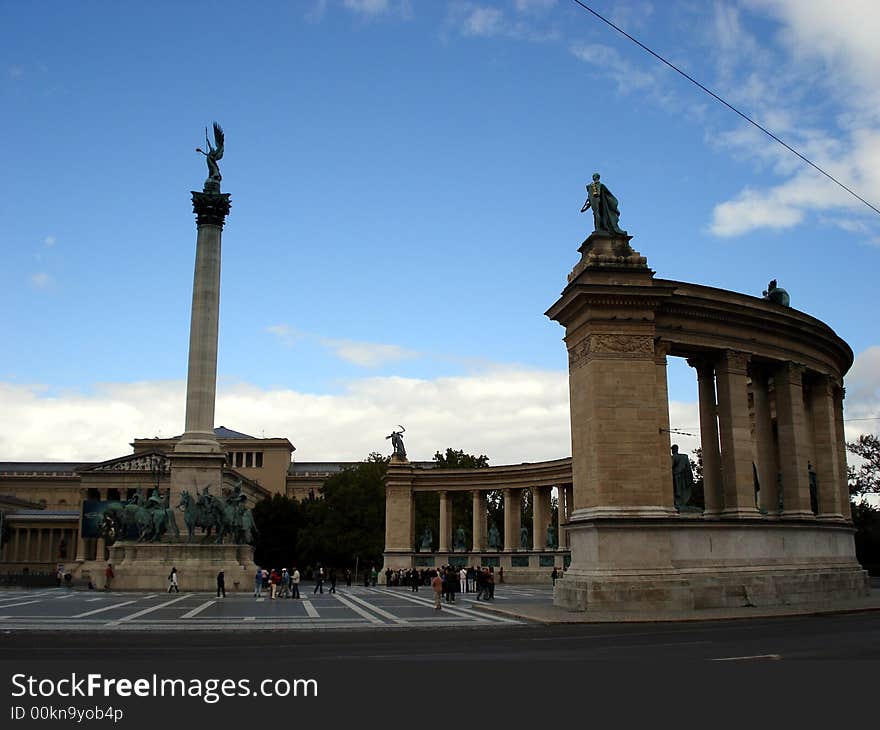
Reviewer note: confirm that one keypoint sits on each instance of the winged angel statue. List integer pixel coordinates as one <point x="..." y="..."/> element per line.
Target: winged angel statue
<point x="214" y="153"/>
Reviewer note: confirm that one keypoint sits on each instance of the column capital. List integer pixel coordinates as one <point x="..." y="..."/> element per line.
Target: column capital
<point x="793" y="371"/>
<point x="733" y="361"/>
<point x="661" y="350"/>
<point x="210" y="208"/>
<point x="704" y="365"/>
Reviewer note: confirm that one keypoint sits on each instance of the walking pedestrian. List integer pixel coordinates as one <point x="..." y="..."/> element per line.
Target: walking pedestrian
<point x="294" y="582"/>
<point x="221" y="585"/>
<point x="554" y="575"/>
<point x="285" y="583"/>
<point x="258" y="583"/>
<point x="172" y="581"/>
<point x="462" y="580"/>
<point x="108" y="576"/>
<point x="332" y="581"/>
<point x="319" y="581"/>
<point x="348" y="577"/>
<point x="437" y="585"/>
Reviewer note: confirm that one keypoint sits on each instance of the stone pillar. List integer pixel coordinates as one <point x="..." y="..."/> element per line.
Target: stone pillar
<point x="479" y="520"/>
<point x="512" y="522"/>
<point x="736" y="438"/>
<point x="712" y="485"/>
<point x="80" y="545"/>
<point x="445" y="522"/>
<point x="399" y="515"/>
<point x="197" y="460"/>
<point x="16" y="550"/>
<point x="825" y="447"/>
<point x="564" y="539"/>
<point x="792" y="429"/>
<point x="540" y="517"/>
<point x="765" y="451"/>
<point x="843" y="500"/>
<point x="664" y="443"/>
<point x="27" y="545"/>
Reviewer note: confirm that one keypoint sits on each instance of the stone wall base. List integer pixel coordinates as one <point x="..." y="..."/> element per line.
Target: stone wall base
<point x="145" y="566"/>
<point x="687" y="565"/>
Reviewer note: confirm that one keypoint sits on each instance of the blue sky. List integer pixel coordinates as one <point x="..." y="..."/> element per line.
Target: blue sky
<point x="406" y="179"/>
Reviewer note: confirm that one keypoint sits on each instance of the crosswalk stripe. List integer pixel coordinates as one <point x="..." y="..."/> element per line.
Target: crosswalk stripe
<point x="148" y="610"/>
<point x="310" y="609"/>
<point x="199" y="609"/>
<point x="463" y="612"/>
<point x="102" y="609"/>
<point x="381" y="611"/>
<point x="357" y="609"/>
<point x="23" y="603"/>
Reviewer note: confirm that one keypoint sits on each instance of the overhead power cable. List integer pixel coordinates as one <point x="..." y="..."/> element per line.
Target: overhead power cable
<point x="727" y="104"/>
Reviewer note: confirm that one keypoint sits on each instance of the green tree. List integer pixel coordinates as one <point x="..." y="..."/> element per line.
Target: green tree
<point x="864" y="480"/>
<point x="278" y="520"/>
<point x="457" y="459"/>
<point x="347" y="523"/>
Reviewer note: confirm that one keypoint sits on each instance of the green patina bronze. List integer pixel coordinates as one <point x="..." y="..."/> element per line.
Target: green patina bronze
<point x="604" y="206"/>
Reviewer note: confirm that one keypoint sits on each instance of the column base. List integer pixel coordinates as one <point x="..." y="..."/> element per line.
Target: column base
<point x="798" y="515"/>
<point x="741" y="512"/>
<point x="648" y="511"/>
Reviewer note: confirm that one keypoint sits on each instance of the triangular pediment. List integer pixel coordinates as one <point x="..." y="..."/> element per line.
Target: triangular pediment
<point x="150" y="462"/>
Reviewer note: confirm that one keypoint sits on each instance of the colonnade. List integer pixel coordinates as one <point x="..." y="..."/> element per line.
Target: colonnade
<point x="39" y="544"/>
<point x="771" y="426"/>
<point x="510" y="531"/>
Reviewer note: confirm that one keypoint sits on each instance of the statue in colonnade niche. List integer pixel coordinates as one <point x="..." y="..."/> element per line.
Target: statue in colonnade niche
<point x="459" y="543"/>
<point x="682" y="478"/>
<point x="524" y="542"/>
<point x="494" y="539"/>
<point x="427" y="541"/>
<point x="551" y="537"/>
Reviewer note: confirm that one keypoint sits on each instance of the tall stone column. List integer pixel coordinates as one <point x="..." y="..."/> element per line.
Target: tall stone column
<point x="512" y="522"/>
<point x="80" y="541"/>
<point x="479" y="520"/>
<point x="825" y="448"/>
<point x="736" y="438"/>
<point x="839" y="394"/>
<point x="27" y="544"/>
<point x="664" y="444"/>
<point x="712" y="485"/>
<point x="564" y="539"/>
<point x="16" y="544"/>
<point x="198" y="459"/>
<point x="792" y="429"/>
<point x="764" y="448"/>
<point x="540" y="517"/>
<point x="445" y="522"/>
<point x="399" y="515"/>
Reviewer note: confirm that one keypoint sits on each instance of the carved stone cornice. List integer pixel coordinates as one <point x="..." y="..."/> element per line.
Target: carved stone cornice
<point x="732" y="361"/>
<point x="210" y="208"/>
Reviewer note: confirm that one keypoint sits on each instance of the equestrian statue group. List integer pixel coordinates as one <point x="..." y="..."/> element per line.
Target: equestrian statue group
<point x="152" y="520"/>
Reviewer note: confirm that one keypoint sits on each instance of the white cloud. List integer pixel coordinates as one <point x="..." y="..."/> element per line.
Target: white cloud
<point x="627" y="77"/>
<point x="863" y="394"/>
<point x="41" y="280"/>
<point x="483" y="22"/>
<point x="286" y="334"/>
<point x="533" y="6"/>
<point x="367" y="354"/>
<point x="510" y="415"/>
<point x="49" y="241"/>
<point x="369" y="7"/>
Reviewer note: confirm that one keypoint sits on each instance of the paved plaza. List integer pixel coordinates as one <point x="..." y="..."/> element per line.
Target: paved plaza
<point x="355" y="607"/>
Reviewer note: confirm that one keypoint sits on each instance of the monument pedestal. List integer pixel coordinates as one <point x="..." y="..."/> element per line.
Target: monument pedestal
<point x="144" y="566"/>
<point x="684" y="565"/>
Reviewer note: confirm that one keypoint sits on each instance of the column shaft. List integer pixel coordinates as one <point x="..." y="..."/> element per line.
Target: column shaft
<point x="791" y="426"/>
<point x="445" y="526"/>
<point x="712" y="486"/>
<point x="736" y="438"/>
<point x="664" y="445"/>
<point x="479" y="520"/>
<point x="764" y="449"/>
<point x="825" y="448"/>
<point x="843" y="490"/>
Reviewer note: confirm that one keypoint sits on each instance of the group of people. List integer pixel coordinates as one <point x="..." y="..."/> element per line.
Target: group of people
<point x="277" y="585"/>
<point x="468" y="578"/>
<point x="447" y="581"/>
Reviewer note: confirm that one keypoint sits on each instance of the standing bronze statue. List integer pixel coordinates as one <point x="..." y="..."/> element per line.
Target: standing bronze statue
<point x="397" y="442"/>
<point x="213" y="154"/>
<point x="682" y="478"/>
<point x="604" y="206"/>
